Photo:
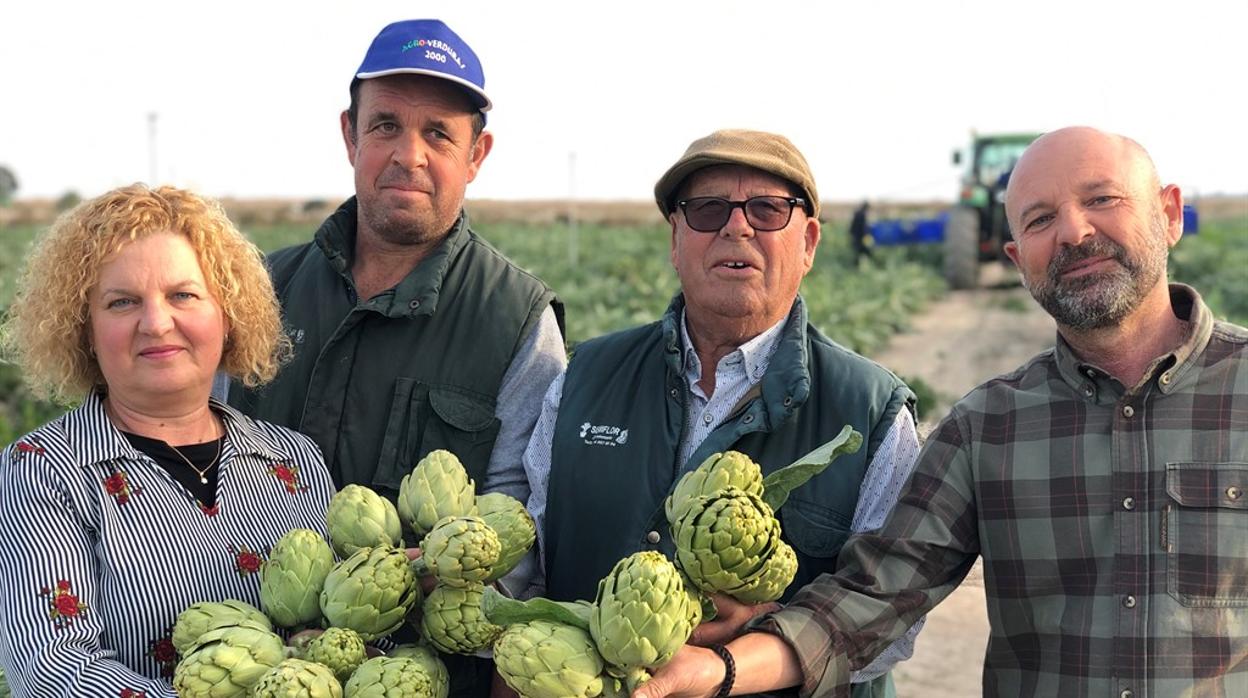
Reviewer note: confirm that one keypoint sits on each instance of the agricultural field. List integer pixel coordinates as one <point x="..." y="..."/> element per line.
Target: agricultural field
<point x="613" y="272"/>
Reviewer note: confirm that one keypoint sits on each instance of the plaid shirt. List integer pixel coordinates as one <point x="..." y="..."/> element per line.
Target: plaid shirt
<point x="1113" y="524"/>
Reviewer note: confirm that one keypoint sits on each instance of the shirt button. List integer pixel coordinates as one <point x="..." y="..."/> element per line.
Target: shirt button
<point x="1128" y="601"/>
<point x="706" y="418"/>
<point x="1128" y="411"/>
<point x="748" y="418"/>
<point x="414" y="303"/>
<point x="788" y="401"/>
<point x="1090" y="373"/>
<point x="1165" y="379"/>
<point x="1126" y="693"/>
<point x="1128" y="503"/>
<point x="653" y="538"/>
<point x="675" y="393"/>
<point x="1088" y="391"/>
<point x="1234" y="492"/>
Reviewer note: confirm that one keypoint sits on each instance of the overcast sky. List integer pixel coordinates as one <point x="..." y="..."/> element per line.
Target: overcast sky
<point x="595" y="99"/>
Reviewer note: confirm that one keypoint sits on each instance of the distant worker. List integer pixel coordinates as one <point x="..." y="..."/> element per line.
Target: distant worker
<point x="1104" y="482"/>
<point x="410" y="332"/>
<point x="733" y="364"/>
<point x="860" y="234"/>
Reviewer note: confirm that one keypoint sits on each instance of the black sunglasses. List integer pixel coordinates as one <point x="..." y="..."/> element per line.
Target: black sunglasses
<point x="709" y="214"/>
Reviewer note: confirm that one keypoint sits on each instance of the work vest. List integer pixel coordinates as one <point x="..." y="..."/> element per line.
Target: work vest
<point x="378" y="383"/>
<point x="617" y="438"/>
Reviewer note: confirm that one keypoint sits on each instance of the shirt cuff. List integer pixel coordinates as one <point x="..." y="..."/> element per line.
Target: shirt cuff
<point x="824" y="664"/>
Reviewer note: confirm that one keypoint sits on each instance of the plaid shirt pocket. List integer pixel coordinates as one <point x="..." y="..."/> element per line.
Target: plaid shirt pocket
<point x="1204" y="530"/>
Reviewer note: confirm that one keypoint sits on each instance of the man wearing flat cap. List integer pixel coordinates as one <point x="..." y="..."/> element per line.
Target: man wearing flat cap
<point x="410" y="332"/>
<point x="732" y="364"/>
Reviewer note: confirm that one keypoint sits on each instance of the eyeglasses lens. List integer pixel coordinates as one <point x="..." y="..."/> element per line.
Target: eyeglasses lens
<point x="764" y="213"/>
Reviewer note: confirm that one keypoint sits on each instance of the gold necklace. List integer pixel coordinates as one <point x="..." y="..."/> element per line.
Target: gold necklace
<point x="203" y="474"/>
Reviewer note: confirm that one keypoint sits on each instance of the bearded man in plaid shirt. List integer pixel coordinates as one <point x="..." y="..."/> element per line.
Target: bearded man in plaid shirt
<point x="1105" y="482"/>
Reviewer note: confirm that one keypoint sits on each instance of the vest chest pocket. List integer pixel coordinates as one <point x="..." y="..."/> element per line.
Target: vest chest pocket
<point x="424" y="418"/>
<point x="816" y="533"/>
<point x="1204" y="532"/>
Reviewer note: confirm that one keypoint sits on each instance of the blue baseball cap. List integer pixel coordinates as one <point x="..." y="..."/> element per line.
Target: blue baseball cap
<point x="426" y="47"/>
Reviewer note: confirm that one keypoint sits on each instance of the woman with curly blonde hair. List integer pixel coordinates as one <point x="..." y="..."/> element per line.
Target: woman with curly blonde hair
<point x="150" y="495"/>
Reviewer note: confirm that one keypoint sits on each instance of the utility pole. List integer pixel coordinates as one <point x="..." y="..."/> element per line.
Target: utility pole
<point x="151" y="149"/>
<point x="573" y="243"/>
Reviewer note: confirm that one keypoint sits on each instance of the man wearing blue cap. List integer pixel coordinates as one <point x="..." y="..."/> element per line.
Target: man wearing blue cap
<point x="410" y="332"/>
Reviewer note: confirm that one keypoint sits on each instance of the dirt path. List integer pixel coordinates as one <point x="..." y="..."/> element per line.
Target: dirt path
<point x="959" y="342"/>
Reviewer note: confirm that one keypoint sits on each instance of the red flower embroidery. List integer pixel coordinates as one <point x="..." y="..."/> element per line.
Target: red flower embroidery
<point x="65" y="606"/>
<point x="131" y="693"/>
<point x="115" y="483"/>
<point x="163" y="651"/>
<point x="289" y="477"/>
<point x="210" y="510"/>
<point x="245" y="561"/>
<point x="25" y="448"/>
<point x="119" y="488"/>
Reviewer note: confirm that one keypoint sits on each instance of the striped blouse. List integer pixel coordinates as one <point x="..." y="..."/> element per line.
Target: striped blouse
<point x="101" y="548"/>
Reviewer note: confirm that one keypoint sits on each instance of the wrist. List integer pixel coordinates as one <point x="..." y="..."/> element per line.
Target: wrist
<point x="724" y="688"/>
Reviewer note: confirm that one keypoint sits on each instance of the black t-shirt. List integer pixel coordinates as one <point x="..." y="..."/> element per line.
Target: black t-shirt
<point x="200" y="455"/>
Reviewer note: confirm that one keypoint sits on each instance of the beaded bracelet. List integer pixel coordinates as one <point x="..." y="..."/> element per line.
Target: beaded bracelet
<point x="730" y="670"/>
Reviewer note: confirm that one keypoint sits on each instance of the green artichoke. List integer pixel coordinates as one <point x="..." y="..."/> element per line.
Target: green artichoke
<point x="370" y="592"/>
<point x="340" y="649"/>
<point x="296" y="678"/>
<point x="514" y="526"/>
<point x="718" y="472"/>
<point x="227" y="662"/>
<point x="360" y="518"/>
<point x="730" y="543"/>
<point x="292" y="578"/>
<point x="642" y="613"/>
<point x="201" y="617"/>
<point x="436" y="488"/>
<point x="461" y="550"/>
<point x="451" y="620"/>
<point x="541" y="659"/>
<point x="432" y="663"/>
<point x="391" y="677"/>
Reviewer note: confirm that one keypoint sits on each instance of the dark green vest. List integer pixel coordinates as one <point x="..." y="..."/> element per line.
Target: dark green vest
<point x="617" y="436"/>
<point x="380" y="382"/>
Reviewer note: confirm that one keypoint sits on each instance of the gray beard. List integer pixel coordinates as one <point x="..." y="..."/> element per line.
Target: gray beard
<point x="1102" y="299"/>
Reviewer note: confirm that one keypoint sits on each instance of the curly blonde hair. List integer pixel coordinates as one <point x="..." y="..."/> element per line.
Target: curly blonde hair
<point x="46" y="331"/>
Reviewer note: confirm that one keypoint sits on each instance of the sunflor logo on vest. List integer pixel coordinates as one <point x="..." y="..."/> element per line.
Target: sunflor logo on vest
<point x="603" y="435"/>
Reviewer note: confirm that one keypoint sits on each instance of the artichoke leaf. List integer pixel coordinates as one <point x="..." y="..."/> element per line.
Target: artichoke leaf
<point x="503" y="611"/>
<point x="778" y="484"/>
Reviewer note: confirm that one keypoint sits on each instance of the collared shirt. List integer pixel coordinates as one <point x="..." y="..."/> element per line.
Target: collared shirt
<point x="101" y="548"/>
<point x="741" y="370"/>
<point x="1112" y="520"/>
<point x="737" y="372"/>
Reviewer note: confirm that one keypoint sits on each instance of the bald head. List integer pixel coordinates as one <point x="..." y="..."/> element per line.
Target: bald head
<point x="1077" y="156"/>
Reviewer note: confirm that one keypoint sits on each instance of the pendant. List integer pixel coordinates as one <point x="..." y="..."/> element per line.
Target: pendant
<point x="203" y="480"/>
